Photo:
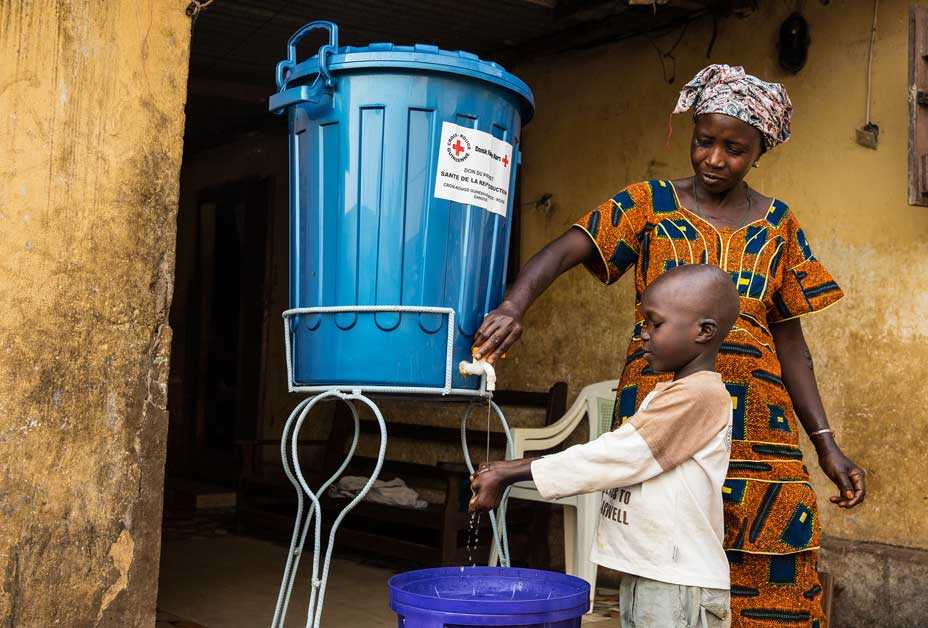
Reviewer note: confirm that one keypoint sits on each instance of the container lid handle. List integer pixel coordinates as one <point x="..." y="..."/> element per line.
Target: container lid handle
<point x="285" y="67"/>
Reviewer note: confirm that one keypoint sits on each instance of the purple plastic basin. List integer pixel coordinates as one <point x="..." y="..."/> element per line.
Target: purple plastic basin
<point x="447" y="597"/>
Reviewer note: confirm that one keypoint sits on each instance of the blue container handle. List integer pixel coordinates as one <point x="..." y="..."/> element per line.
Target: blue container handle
<point x="318" y="97"/>
<point x="290" y="62"/>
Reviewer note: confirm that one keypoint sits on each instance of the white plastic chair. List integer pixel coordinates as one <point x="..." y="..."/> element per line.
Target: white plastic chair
<point x="596" y="402"/>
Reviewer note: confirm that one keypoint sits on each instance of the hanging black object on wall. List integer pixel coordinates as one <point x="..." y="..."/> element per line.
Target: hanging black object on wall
<point x="793" y="43"/>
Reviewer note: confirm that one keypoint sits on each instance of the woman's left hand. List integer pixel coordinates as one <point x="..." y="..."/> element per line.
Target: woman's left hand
<point x="847" y="476"/>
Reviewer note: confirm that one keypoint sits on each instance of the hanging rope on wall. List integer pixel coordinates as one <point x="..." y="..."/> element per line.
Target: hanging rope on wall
<point x="663" y="56"/>
<point x="196" y="7"/>
<point x="868" y="135"/>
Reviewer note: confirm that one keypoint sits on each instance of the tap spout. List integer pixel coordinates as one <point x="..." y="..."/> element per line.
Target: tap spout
<point x="480" y="367"/>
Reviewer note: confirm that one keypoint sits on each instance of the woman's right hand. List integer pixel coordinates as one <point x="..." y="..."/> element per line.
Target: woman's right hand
<point x="503" y="326"/>
<point x="500" y="330"/>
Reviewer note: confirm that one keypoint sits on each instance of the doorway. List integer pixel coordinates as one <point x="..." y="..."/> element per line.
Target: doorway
<point x="220" y="331"/>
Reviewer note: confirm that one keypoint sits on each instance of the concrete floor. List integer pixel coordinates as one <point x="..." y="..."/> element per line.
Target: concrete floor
<point x="232" y="582"/>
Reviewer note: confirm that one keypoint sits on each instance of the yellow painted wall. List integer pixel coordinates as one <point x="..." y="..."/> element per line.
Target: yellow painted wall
<point x="601" y="123"/>
<point x="92" y="101"/>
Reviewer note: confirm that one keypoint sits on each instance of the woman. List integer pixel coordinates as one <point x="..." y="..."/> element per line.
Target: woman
<point x="771" y="524"/>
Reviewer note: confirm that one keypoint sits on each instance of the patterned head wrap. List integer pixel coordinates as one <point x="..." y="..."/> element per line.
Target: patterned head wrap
<point x="726" y="89"/>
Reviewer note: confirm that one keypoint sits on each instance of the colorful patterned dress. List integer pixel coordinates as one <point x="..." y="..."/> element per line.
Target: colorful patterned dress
<point x="771" y="521"/>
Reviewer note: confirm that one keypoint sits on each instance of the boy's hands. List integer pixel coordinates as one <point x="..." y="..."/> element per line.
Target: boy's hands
<point x="491" y="479"/>
<point x="487" y="486"/>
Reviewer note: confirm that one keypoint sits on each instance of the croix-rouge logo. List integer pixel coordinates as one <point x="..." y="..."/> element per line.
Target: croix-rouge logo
<point x="458" y="147"/>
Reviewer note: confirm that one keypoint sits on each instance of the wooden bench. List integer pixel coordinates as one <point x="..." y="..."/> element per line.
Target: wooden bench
<point x="435" y="535"/>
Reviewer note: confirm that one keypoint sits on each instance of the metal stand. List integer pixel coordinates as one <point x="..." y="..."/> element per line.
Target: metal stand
<point x="291" y="463"/>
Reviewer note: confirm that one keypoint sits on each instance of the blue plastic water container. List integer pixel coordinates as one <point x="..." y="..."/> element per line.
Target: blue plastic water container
<point x="447" y="597"/>
<point x="378" y="135"/>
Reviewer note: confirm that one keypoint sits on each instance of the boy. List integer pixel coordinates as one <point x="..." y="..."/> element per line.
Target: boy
<point x="661" y="521"/>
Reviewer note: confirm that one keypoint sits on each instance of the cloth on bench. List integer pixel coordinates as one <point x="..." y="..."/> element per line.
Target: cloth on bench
<point x="391" y="492"/>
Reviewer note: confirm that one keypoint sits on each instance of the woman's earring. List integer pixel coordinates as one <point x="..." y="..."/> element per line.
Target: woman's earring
<point x="755" y="164"/>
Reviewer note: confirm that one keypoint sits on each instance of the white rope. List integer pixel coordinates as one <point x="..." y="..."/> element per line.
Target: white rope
<point x="500" y="535"/>
<point x="504" y="502"/>
<point x="876" y="6"/>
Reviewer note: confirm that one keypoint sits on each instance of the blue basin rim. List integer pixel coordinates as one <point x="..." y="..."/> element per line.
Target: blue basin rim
<point x="420" y="589"/>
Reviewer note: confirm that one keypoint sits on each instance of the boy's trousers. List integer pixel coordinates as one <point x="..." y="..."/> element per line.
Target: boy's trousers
<point x="645" y="603"/>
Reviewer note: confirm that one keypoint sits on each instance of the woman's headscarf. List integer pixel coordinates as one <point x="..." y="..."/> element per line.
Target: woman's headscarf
<point x="729" y="90"/>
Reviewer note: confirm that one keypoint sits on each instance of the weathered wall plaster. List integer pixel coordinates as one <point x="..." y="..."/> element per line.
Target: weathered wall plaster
<point x="92" y="97"/>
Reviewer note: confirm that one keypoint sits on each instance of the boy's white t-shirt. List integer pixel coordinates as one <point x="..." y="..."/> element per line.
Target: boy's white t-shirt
<point x="661" y="474"/>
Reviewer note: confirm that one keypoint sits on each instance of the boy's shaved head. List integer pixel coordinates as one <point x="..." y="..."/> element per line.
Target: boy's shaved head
<point x="706" y="290"/>
<point x="688" y="311"/>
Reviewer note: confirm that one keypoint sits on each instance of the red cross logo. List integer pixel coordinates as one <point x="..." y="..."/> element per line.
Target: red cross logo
<point x="505" y="161"/>
<point x="458" y="147"/>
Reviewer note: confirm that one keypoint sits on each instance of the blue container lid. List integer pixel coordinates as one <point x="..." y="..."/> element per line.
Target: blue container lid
<point x="423" y="57"/>
<point x="489" y="591"/>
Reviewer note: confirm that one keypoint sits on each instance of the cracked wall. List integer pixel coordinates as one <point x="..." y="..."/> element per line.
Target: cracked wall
<point x="92" y="97"/>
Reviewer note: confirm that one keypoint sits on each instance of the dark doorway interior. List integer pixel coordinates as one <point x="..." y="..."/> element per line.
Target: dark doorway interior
<point x="217" y="372"/>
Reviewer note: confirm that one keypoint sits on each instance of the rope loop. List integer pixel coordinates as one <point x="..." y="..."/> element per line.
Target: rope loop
<point x="196" y="7"/>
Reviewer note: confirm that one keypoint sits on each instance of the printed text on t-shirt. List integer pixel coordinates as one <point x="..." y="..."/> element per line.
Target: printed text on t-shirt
<point x="612" y="512"/>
